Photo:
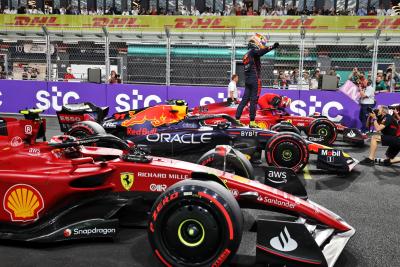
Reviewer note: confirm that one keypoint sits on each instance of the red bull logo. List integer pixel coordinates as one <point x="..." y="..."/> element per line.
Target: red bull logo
<point x="157" y="116"/>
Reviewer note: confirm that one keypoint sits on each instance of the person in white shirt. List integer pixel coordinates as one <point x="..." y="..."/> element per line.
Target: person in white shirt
<point x="232" y="89"/>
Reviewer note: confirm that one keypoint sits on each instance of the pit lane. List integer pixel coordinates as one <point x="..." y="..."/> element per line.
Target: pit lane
<point x="368" y="199"/>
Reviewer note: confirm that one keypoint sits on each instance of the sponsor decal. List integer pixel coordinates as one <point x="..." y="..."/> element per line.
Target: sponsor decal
<point x="50" y="99"/>
<point x="276" y="202"/>
<point x="127" y="179"/>
<point x="162" y="203"/>
<point x="68" y="118"/>
<point x="160" y="175"/>
<point x="283" y="242"/>
<point x="183" y="139"/>
<point x="141" y="131"/>
<point x="28" y="129"/>
<point x="331" y="153"/>
<point x="88" y="232"/>
<point x="351" y="134"/>
<point x="198" y="23"/>
<point x="316" y="138"/>
<point x="16" y="141"/>
<point x="110" y="125"/>
<point x="248" y="133"/>
<point x="23" y="202"/>
<point x="300" y="107"/>
<point x="277" y="177"/>
<point x="34" y="151"/>
<point x="158" y="187"/>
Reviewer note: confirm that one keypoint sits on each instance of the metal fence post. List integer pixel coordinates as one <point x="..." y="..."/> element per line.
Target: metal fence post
<point x="107" y="52"/>
<point x="48" y="53"/>
<point x="233" y="55"/>
<point x="301" y="60"/>
<point x="374" y="67"/>
<point x="168" y="58"/>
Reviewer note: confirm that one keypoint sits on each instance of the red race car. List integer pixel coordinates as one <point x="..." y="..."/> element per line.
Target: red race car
<point x="318" y="128"/>
<point x="62" y="190"/>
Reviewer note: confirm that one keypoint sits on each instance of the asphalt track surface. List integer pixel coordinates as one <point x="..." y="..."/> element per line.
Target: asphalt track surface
<point x="368" y="199"/>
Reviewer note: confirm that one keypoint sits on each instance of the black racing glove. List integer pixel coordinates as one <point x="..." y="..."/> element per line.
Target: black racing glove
<point x="276" y="45"/>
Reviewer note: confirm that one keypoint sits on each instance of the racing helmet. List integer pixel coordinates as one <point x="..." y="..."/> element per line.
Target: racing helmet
<point x="285" y="101"/>
<point x="257" y="41"/>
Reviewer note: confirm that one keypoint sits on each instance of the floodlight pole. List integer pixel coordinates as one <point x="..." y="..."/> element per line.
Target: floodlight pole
<point x="107" y="52"/>
<point x="48" y="53"/>
<point x="168" y="57"/>
<point x="233" y="52"/>
<point x="375" y="58"/>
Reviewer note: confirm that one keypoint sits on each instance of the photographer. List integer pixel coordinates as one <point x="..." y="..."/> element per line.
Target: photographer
<point x="387" y="125"/>
<point x="367" y="102"/>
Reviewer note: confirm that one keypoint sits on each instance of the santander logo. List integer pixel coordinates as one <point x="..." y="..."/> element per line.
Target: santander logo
<point x="284" y="241"/>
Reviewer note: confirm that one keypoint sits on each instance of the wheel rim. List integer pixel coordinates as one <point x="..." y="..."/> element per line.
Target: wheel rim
<point x="287" y="154"/>
<point x="192" y="233"/>
<point x="323" y="132"/>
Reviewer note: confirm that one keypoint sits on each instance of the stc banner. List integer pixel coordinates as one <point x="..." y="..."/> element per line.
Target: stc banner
<point x="50" y="96"/>
<point x="192" y="23"/>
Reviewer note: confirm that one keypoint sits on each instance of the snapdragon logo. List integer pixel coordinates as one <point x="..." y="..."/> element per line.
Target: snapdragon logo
<point x="209" y="100"/>
<point x="52" y="99"/>
<point x="94" y="231"/>
<point x="127" y="102"/>
<point x="300" y="107"/>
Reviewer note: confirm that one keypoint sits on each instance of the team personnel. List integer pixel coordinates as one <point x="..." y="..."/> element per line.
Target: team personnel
<point x="390" y="136"/>
<point x="252" y="70"/>
<point x="274" y="101"/>
<point x="232" y="89"/>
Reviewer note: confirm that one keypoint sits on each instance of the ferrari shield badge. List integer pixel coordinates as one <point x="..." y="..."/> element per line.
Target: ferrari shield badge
<point x="127" y="179"/>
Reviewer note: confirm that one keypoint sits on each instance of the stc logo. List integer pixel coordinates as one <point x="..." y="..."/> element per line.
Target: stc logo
<point x="48" y="100"/>
<point x="126" y="102"/>
<point x="209" y="100"/>
<point x="300" y="107"/>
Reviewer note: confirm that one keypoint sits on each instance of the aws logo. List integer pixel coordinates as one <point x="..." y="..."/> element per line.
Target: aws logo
<point x="23" y="202"/>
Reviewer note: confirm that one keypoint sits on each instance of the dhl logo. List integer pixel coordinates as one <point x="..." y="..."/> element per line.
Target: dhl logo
<point x="116" y="22"/>
<point x="287" y="24"/>
<point x="23" y="202"/>
<point x="374" y="23"/>
<point x="36" y="21"/>
<point x="199" y="23"/>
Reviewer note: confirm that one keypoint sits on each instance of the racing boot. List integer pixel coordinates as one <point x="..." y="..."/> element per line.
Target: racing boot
<point x="253" y="124"/>
<point x="238" y="122"/>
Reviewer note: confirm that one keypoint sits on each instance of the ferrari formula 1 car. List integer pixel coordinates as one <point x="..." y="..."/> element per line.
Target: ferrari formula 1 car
<point x="168" y="130"/>
<point x="318" y="128"/>
<point x="61" y="190"/>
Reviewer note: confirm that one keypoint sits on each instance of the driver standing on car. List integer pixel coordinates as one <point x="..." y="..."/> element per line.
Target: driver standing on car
<point x="274" y="101"/>
<point x="252" y="71"/>
<point x="388" y="126"/>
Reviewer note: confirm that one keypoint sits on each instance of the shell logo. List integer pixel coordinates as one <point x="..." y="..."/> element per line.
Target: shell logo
<point x="23" y="202"/>
<point x="262" y="125"/>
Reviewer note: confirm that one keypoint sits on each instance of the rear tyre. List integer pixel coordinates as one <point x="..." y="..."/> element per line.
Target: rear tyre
<point x="195" y="223"/>
<point x="85" y="128"/>
<point x="325" y="129"/>
<point x="287" y="150"/>
<point x="236" y="163"/>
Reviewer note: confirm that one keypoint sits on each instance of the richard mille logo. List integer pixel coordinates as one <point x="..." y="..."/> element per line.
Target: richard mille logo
<point x="283" y="242"/>
<point x="351" y="134"/>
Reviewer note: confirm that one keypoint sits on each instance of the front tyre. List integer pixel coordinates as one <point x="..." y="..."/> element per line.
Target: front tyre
<point x="325" y="129"/>
<point x="287" y="150"/>
<point x="195" y="223"/>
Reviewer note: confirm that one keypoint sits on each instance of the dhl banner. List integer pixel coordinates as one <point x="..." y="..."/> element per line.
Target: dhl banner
<point x="182" y="23"/>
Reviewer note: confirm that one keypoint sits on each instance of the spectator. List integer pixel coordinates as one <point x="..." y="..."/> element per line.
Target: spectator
<point x="114" y="78"/>
<point x="314" y="82"/>
<point x="367" y="102"/>
<point x="195" y="12"/>
<point x="34" y="72"/>
<point x="92" y="12"/>
<point x="361" y="11"/>
<point x="305" y="80"/>
<point x="263" y="11"/>
<point x="21" y="10"/>
<point x="63" y="10"/>
<point x="3" y="74"/>
<point x="250" y="12"/>
<point x="68" y="75"/>
<point x="232" y="89"/>
<point x="294" y="78"/>
<point x="380" y="85"/>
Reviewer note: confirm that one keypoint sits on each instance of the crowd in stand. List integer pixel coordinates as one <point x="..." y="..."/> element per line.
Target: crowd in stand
<point x="238" y="10"/>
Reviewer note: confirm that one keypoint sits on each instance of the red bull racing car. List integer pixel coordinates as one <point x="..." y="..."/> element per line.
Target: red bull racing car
<point x="62" y="190"/>
<point x="318" y="128"/>
<point x="169" y="130"/>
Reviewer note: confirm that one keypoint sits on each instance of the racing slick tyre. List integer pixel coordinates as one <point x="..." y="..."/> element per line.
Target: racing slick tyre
<point x="85" y="128"/>
<point x="236" y="162"/>
<point x="195" y="223"/>
<point x="325" y="129"/>
<point x="285" y="127"/>
<point x="287" y="150"/>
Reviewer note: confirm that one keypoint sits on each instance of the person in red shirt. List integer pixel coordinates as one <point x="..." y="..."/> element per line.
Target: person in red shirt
<point x="68" y="75"/>
<point x="274" y="101"/>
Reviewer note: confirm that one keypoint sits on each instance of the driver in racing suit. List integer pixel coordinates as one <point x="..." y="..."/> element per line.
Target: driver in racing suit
<point x="252" y="70"/>
<point x="274" y="101"/>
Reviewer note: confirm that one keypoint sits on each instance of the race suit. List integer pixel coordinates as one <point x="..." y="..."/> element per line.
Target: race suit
<point x="252" y="71"/>
<point x="270" y="101"/>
